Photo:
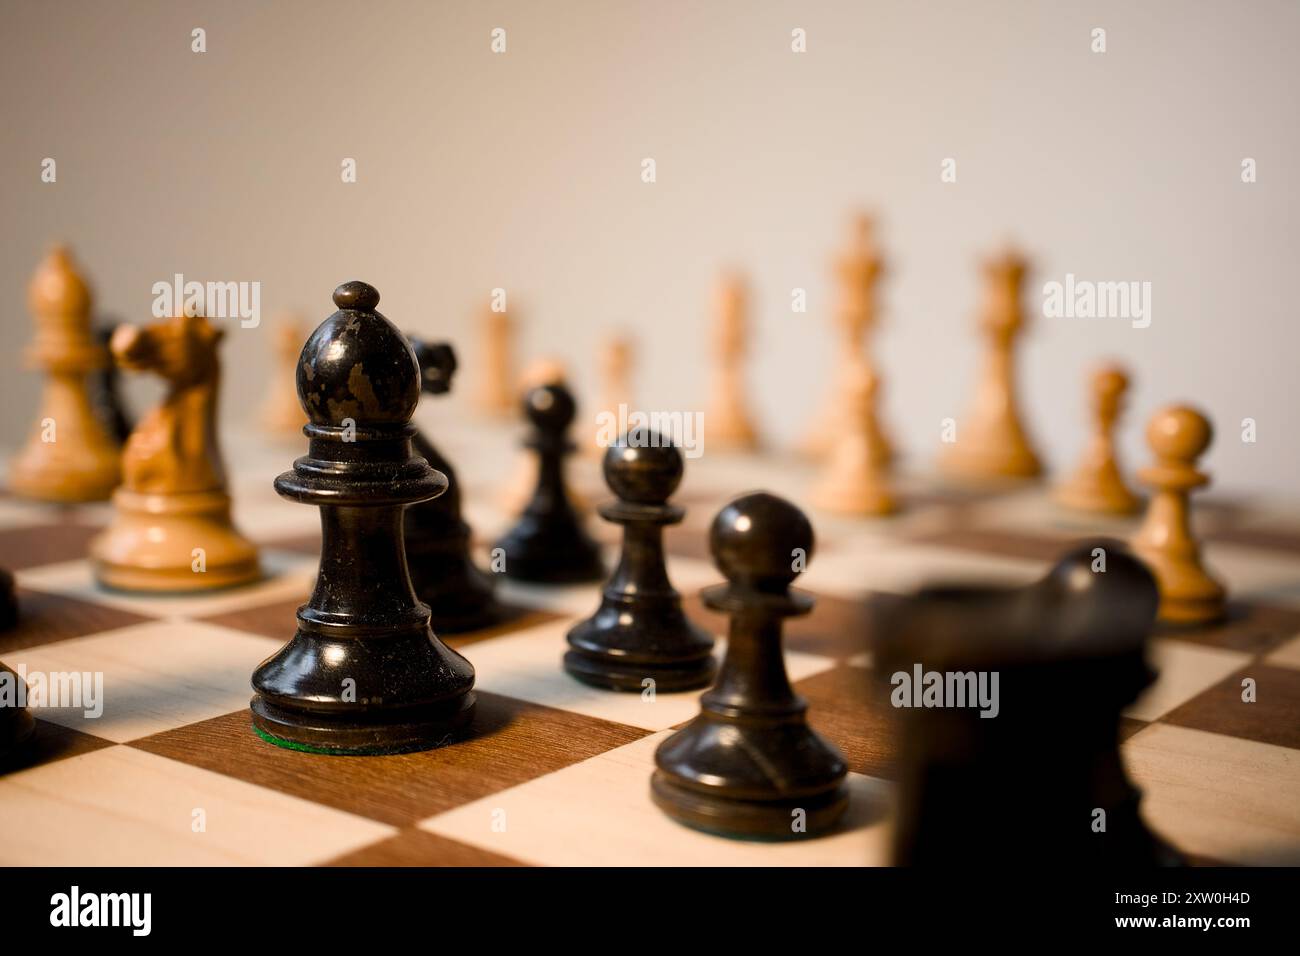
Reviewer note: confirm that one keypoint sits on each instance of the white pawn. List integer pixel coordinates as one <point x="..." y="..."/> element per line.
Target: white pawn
<point x="855" y="481"/>
<point x="1189" y="594"/>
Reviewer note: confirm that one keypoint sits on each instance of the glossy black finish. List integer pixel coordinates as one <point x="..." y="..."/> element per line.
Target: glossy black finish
<point x="640" y="632"/>
<point x="458" y="593"/>
<point x="16" y="723"/>
<point x="749" y="763"/>
<point x="105" y="392"/>
<point x="364" y="672"/>
<point x="548" y="543"/>
<point x="1023" y="787"/>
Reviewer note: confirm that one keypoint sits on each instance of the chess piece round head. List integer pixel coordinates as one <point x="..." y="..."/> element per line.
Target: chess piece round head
<point x="57" y="286"/>
<point x="1109" y="381"/>
<point x="550" y="408"/>
<point x="643" y="468"/>
<point x="358" y="365"/>
<point x="1105" y="597"/>
<point x="761" y="541"/>
<point x="437" y="362"/>
<point x="1179" y="433"/>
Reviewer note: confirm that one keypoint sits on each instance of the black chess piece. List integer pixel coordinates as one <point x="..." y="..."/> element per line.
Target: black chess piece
<point x="459" y="594"/>
<point x="548" y="543"/>
<point x="16" y="721"/>
<point x="364" y="673"/>
<point x="640" y="630"/>
<point x="1025" y="785"/>
<point x="105" y="390"/>
<point x="749" y="765"/>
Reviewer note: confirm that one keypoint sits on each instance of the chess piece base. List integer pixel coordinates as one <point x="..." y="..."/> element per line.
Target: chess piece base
<point x="973" y="465"/>
<point x="746" y="775"/>
<point x="566" y="554"/>
<point x="1188" y="595"/>
<point x="820" y="445"/>
<point x="611" y="674"/>
<point x="1186" y="610"/>
<point x="629" y="640"/>
<point x="1094" y="497"/>
<point x="150" y="544"/>
<point x="1087" y="501"/>
<point x="855" y="498"/>
<point x="63" y="474"/>
<point x="355" y="735"/>
<point x="749" y="819"/>
<point x="407" y="690"/>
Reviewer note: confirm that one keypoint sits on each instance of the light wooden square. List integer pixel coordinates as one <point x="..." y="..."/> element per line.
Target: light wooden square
<point x="1226" y="798"/>
<point x="599" y="813"/>
<point x="156" y="676"/>
<point x="124" y="807"/>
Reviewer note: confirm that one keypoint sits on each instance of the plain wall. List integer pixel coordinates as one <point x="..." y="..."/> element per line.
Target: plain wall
<point x="522" y="170"/>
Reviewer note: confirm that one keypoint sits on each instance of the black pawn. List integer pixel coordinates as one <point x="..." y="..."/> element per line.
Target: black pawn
<point x="749" y="765"/>
<point x="364" y="672"/>
<point x="16" y="723"/>
<point x="640" y="631"/>
<point x="548" y="543"/>
<point x="1025" y="785"/>
<point x="105" y="390"/>
<point x="458" y="593"/>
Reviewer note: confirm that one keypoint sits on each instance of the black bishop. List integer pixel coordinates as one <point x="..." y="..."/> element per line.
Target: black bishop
<point x="364" y="673"/>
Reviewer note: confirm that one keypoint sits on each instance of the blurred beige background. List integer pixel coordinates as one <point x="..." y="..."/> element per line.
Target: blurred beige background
<point x="522" y="170"/>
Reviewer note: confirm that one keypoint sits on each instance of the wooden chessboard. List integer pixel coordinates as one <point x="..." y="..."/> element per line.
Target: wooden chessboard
<point x="558" y="773"/>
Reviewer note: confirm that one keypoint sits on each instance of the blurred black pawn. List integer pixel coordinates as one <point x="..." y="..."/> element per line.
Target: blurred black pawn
<point x="364" y="673"/>
<point x="16" y="722"/>
<point x="548" y="543"/>
<point x="105" y="390"/>
<point x="749" y="765"/>
<point x="458" y="593"/>
<point x="640" y="631"/>
<point x="1026" y="770"/>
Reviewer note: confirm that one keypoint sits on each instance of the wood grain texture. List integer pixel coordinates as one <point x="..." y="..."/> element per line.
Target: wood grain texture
<point x="509" y="742"/>
<point x="48" y="618"/>
<point x="35" y="545"/>
<point x="846" y="707"/>
<point x="1273" y="718"/>
<point x="1253" y="628"/>
<point x="413" y="847"/>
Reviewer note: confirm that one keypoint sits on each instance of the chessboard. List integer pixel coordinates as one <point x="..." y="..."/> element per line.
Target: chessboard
<point x="554" y="772"/>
